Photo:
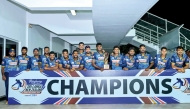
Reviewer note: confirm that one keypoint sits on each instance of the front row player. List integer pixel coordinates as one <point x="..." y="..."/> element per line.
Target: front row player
<point x="8" y="64"/>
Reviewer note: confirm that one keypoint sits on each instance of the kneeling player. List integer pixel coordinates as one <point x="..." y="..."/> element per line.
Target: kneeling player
<point x="179" y="59"/>
<point x="75" y="63"/>
<point x="87" y="59"/>
<point x="116" y="59"/>
<point x="51" y="62"/>
<point x="162" y="61"/>
<point x="130" y="60"/>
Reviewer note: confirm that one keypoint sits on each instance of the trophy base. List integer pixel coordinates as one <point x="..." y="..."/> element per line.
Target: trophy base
<point x="106" y="66"/>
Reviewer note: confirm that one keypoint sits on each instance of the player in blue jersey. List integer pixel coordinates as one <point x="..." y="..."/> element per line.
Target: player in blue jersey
<point x="8" y="64"/>
<point x="81" y="51"/>
<point x="75" y="62"/>
<point x="144" y="59"/>
<point x="23" y="59"/>
<point x="43" y="58"/>
<point x="130" y="60"/>
<point x="116" y="59"/>
<point x="34" y="61"/>
<point x="51" y="62"/>
<point x="87" y="59"/>
<point x="64" y="61"/>
<point x="162" y="61"/>
<point x="100" y="57"/>
<point x="179" y="59"/>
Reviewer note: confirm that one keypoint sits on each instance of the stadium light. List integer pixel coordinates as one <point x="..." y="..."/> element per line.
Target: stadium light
<point x="73" y="12"/>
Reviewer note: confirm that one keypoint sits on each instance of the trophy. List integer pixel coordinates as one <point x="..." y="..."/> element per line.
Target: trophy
<point x="106" y="65"/>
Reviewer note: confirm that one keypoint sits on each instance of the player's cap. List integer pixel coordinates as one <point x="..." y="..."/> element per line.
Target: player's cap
<point x="12" y="50"/>
<point x="35" y="49"/>
<point x="87" y="47"/>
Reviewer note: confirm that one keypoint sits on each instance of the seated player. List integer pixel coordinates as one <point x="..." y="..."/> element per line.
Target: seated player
<point x="179" y="59"/>
<point x="100" y="58"/>
<point x="116" y="59"/>
<point x="23" y="59"/>
<point x="144" y="60"/>
<point x="130" y="60"/>
<point x="51" y="62"/>
<point x="64" y="61"/>
<point x="75" y="64"/>
<point x="33" y="61"/>
<point x="162" y="61"/>
<point x="8" y="64"/>
<point x="87" y="59"/>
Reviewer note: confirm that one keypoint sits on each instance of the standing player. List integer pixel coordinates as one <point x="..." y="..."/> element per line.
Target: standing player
<point x="34" y="61"/>
<point x="75" y="63"/>
<point x="43" y="58"/>
<point x="116" y="59"/>
<point x="87" y="59"/>
<point x="64" y="61"/>
<point x="8" y="64"/>
<point x="130" y="60"/>
<point x="162" y="61"/>
<point x="81" y="50"/>
<point x="145" y="61"/>
<point x="23" y="59"/>
<point x="179" y="59"/>
<point x="51" y="62"/>
<point x="99" y="58"/>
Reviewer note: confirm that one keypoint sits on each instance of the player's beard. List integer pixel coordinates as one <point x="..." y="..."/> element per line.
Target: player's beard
<point x="24" y="53"/>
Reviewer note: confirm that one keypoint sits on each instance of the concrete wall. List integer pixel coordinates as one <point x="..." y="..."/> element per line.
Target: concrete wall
<point x="37" y="37"/>
<point x="57" y="44"/>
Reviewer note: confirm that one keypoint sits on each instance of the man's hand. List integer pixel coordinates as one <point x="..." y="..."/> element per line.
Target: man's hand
<point x="3" y="77"/>
<point x="156" y="70"/>
<point x="183" y="70"/>
<point x="73" y="69"/>
<point x="125" y="68"/>
<point x="27" y="69"/>
<point x="179" y="70"/>
<point x="102" y="69"/>
<point x="147" y="69"/>
<point x="41" y="70"/>
<point x="84" y="69"/>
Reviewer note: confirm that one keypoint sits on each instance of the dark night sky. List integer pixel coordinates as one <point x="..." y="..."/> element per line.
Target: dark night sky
<point x="174" y="11"/>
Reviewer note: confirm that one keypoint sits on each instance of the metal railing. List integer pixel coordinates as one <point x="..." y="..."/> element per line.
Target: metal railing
<point x="150" y="27"/>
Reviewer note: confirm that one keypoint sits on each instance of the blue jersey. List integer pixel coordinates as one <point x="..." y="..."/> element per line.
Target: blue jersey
<point x="52" y="63"/>
<point x="10" y="64"/>
<point x="64" y="62"/>
<point x="144" y="61"/>
<point x="80" y="55"/>
<point x="43" y="61"/>
<point x="162" y="63"/>
<point x="33" y="63"/>
<point x="75" y="64"/>
<point x="23" y="62"/>
<point x="116" y="60"/>
<point x="179" y="62"/>
<point x="87" y="62"/>
<point x="130" y="63"/>
<point x="99" y="59"/>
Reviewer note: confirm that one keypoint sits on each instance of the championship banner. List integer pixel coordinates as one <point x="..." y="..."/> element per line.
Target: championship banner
<point x="96" y="87"/>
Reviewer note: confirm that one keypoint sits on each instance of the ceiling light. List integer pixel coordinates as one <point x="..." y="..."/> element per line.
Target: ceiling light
<point x="73" y="12"/>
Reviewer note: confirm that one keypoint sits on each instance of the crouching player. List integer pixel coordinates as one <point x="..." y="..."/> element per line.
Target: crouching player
<point x="8" y="64"/>
<point x="116" y="59"/>
<point x="87" y="59"/>
<point x="162" y="61"/>
<point x="130" y="60"/>
<point x="179" y="59"/>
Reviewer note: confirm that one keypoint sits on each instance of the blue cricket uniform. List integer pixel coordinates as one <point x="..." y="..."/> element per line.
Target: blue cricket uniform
<point x="99" y="59"/>
<point x="114" y="60"/>
<point x="64" y="62"/>
<point x="179" y="62"/>
<point x="80" y="55"/>
<point x="87" y="62"/>
<point x="52" y="63"/>
<point x="33" y="63"/>
<point x="43" y="61"/>
<point x="130" y="63"/>
<point x="75" y="64"/>
<point x="162" y="63"/>
<point x="23" y="62"/>
<point x="144" y="61"/>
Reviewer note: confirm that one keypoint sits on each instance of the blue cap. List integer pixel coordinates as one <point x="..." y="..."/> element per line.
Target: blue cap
<point x="35" y="49"/>
<point x="87" y="47"/>
<point x="12" y="50"/>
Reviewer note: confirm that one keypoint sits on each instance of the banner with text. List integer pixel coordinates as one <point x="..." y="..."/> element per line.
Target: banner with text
<point x="96" y="87"/>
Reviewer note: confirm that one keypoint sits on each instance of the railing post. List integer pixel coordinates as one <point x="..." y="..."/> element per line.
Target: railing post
<point x="185" y="43"/>
<point x="166" y="25"/>
<point x="157" y="35"/>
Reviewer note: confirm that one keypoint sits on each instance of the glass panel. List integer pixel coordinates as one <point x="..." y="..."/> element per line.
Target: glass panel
<point x="171" y="26"/>
<point x="10" y="45"/>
